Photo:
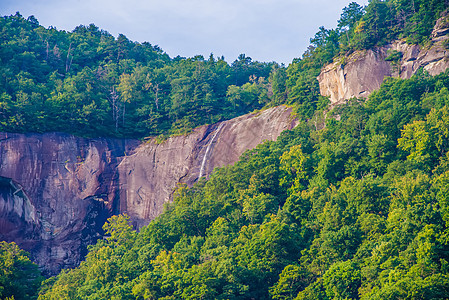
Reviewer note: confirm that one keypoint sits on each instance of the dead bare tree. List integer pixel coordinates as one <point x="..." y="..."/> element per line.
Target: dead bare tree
<point x="115" y="109"/>
<point x="67" y="63"/>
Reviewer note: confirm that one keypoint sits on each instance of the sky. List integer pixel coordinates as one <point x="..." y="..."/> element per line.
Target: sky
<point x="265" y="30"/>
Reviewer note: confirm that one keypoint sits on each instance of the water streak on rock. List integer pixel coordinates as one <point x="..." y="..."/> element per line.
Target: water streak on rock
<point x="206" y="154"/>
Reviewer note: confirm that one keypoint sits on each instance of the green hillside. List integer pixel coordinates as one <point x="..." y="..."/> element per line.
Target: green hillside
<point x="357" y="210"/>
<point x="89" y="83"/>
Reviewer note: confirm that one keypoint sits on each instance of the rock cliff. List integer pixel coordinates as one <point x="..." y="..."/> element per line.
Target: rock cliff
<point x="57" y="190"/>
<point x="148" y="177"/>
<point x="362" y="72"/>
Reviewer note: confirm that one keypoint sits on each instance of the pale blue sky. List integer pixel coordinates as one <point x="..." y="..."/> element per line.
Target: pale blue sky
<point x="266" y="30"/>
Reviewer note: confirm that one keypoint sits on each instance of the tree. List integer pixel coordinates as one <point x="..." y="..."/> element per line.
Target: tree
<point x="19" y="277"/>
<point x="278" y="78"/>
<point x="294" y="164"/>
<point x="126" y="89"/>
<point x="342" y="281"/>
<point x="119" y="231"/>
<point x="350" y="15"/>
<point x="291" y="281"/>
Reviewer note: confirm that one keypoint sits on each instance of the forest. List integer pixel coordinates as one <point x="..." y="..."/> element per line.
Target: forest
<point x="356" y="207"/>
<point x="86" y="82"/>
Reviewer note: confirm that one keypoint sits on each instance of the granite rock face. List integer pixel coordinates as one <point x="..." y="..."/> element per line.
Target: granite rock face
<point x="149" y="176"/>
<point x="57" y="190"/>
<point x="362" y="72"/>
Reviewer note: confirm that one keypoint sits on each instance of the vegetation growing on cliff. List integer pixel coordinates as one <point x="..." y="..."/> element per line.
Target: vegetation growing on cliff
<point x="358" y="28"/>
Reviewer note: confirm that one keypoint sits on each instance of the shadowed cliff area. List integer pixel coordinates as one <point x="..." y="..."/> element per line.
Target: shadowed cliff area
<point x="57" y="192"/>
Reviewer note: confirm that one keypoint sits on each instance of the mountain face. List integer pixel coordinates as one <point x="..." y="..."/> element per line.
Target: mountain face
<point x="57" y="190"/>
<point x="362" y="72"/>
<point x="149" y="176"/>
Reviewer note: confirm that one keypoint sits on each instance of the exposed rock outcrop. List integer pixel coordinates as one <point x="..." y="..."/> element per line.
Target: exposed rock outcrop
<point x="148" y="177"/>
<point x="362" y="72"/>
<point x="56" y="190"/>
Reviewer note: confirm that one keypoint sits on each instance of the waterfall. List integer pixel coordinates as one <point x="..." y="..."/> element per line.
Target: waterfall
<point x="203" y="163"/>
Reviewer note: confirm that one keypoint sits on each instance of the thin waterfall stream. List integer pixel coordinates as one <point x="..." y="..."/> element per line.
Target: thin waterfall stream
<point x="203" y="163"/>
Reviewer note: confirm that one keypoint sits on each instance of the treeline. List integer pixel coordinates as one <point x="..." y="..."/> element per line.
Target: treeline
<point x="87" y="82"/>
<point x="385" y="20"/>
<point x="356" y="210"/>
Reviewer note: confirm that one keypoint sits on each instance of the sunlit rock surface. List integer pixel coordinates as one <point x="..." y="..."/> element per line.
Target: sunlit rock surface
<point x="362" y="72"/>
<point x="149" y="176"/>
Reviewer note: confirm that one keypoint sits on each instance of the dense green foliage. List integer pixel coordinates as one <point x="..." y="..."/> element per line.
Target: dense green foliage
<point x="87" y="82"/>
<point x="357" y="210"/>
<point x="19" y="277"/>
